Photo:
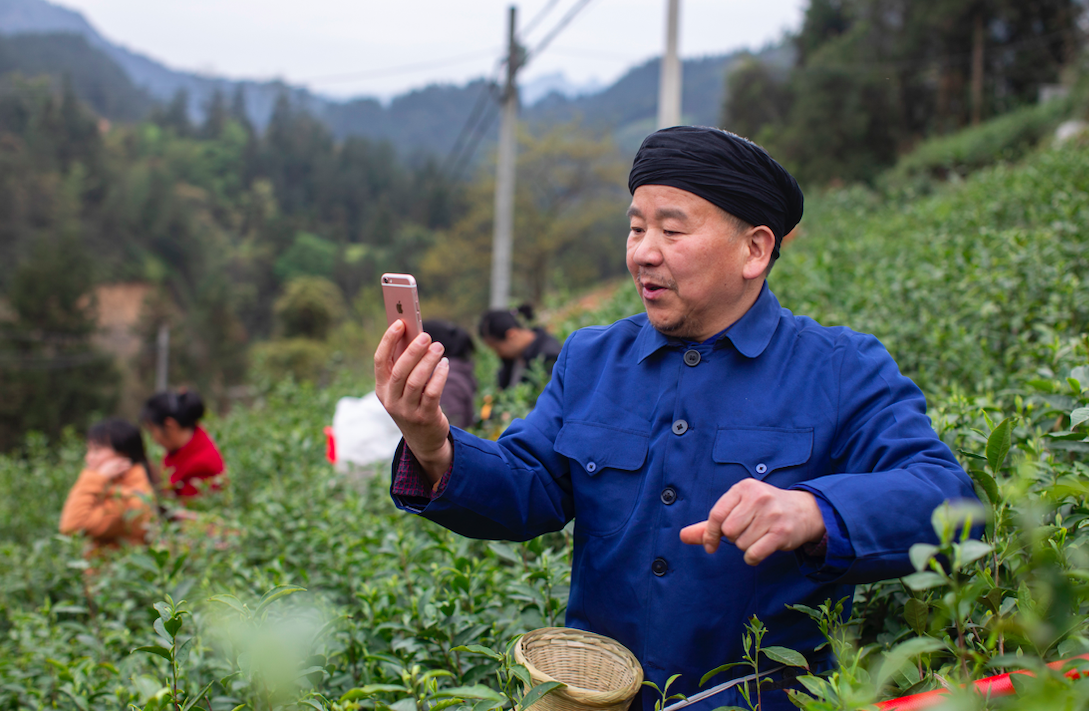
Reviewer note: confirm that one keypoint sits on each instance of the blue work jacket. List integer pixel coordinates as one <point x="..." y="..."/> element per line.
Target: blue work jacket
<point x="637" y="435"/>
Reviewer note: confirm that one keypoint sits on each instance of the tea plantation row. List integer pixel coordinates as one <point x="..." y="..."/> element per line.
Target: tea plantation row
<point x="304" y="588"/>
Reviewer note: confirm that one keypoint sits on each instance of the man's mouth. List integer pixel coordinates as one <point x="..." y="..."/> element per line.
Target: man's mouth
<point x="650" y="287"/>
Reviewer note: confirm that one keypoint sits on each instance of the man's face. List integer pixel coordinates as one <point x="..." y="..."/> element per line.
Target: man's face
<point x="695" y="273"/>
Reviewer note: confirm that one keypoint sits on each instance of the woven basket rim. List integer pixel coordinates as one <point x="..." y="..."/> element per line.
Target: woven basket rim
<point x="578" y="694"/>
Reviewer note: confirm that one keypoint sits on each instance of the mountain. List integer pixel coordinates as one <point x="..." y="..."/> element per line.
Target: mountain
<point x="427" y="121"/>
<point x="95" y="78"/>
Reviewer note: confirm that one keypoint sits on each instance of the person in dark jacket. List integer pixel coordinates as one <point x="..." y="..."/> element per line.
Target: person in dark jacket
<point x="721" y="457"/>
<point x="517" y="345"/>
<point x="459" y="398"/>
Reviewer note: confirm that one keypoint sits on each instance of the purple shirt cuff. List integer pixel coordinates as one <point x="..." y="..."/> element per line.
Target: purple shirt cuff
<point x="410" y="482"/>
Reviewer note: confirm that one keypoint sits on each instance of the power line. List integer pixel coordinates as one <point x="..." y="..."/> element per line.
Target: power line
<point x="540" y="16"/>
<point x="460" y="168"/>
<point x="480" y="120"/>
<point x="401" y="69"/>
<point x="564" y="21"/>
<point x="471" y="125"/>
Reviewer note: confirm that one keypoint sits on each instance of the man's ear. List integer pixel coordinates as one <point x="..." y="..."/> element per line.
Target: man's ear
<point x="760" y="241"/>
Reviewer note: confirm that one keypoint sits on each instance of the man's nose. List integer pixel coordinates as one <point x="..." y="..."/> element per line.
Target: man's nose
<point x="648" y="251"/>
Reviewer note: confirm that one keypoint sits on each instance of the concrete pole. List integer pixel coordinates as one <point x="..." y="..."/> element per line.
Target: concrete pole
<point x="504" y="178"/>
<point x="669" y="79"/>
<point x="162" y="358"/>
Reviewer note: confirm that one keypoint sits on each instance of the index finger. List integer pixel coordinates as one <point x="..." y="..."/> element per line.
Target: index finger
<point x="722" y="509"/>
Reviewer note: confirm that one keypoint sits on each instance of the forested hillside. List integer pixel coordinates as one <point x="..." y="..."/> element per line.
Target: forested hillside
<point x="221" y="219"/>
<point x="873" y="78"/>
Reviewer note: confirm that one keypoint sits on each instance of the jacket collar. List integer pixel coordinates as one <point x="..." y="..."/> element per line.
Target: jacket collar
<point x="750" y="334"/>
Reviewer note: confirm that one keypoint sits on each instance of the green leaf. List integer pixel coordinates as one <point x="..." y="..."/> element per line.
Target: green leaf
<point x="987" y="483"/>
<point x="520" y="671"/>
<point x="476" y="691"/>
<point x="923" y="581"/>
<point x="537" y="692"/>
<point x="445" y="704"/>
<point x="230" y="601"/>
<point x="783" y="655"/>
<point x="161" y="629"/>
<point x="920" y="554"/>
<point x="173" y="625"/>
<point x="972" y="550"/>
<point x="971" y="455"/>
<point x="718" y="670"/>
<point x="1079" y="416"/>
<point x="901" y="653"/>
<point x="998" y="444"/>
<point x="308" y="671"/>
<point x="155" y="649"/>
<point x="165" y="612"/>
<point x="479" y="649"/>
<point x="916" y="613"/>
<point x="192" y="701"/>
<point x="276" y="593"/>
<point x="487" y="704"/>
<point x="372" y="689"/>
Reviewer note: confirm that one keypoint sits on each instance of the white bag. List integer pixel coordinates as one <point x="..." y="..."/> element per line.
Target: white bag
<point x="363" y="431"/>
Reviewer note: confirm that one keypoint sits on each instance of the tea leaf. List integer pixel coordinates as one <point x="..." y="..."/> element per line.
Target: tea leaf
<point x="916" y="613"/>
<point x="786" y="656"/>
<point x="998" y="444"/>
<point x="156" y="649"/>
<point x="539" y="691"/>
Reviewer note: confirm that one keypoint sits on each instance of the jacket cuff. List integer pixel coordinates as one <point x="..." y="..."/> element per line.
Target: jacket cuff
<point x="831" y="557"/>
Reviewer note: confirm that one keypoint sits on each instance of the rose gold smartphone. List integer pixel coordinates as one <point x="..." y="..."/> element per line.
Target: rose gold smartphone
<point x="402" y="302"/>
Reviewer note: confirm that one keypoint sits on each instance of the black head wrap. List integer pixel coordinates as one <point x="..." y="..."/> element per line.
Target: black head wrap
<point x="724" y="169"/>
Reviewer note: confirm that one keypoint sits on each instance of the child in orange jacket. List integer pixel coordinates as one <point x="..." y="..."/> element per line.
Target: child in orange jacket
<point x="112" y="502"/>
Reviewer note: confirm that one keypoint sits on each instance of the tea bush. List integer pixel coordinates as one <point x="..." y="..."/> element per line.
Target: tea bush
<point x="298" y="587"/>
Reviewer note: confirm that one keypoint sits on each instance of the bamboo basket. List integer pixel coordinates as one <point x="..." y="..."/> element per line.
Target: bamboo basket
<point x="600" y="673"/>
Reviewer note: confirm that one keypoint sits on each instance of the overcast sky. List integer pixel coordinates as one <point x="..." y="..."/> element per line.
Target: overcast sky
<point x="364" y="47"/>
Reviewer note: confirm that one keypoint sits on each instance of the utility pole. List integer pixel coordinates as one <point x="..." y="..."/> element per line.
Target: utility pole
<point x="504" y="176"/>
<point x="669" y="78"/>
<point x="162" y="358"/>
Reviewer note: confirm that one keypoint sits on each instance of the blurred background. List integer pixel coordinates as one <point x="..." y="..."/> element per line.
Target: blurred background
<point x="205" y="193"/>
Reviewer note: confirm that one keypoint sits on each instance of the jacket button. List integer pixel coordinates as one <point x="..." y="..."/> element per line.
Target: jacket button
<point x="591" y="467"/>
<point x="691" y="357"/>
<point x="669" y="495"/>
<point x="680" y="427"/>
<point x="761" y="468"/>
<point x="659" y="567"/>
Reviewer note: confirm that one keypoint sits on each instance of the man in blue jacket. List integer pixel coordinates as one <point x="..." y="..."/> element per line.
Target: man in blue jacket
<point x="717" y="414"/>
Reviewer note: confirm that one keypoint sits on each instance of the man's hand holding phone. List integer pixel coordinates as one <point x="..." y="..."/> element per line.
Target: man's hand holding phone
<point x="409" y="385"/>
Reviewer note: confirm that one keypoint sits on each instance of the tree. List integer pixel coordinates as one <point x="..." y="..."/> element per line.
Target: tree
<point x="51" y="376"/>
<point x="569" y="223"/>
<point x="309" y="308"/>
<point x="873" y="77"/>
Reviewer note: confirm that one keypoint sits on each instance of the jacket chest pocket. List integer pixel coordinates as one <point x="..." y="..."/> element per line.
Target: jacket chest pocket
<point x="606" y="473"/>
<point x="761" y="451"/>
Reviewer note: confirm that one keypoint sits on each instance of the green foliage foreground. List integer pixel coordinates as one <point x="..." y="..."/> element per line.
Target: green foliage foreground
<point x="301" y="588"/>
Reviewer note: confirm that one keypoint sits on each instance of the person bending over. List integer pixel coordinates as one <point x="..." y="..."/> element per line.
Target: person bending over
<point x="113" y="500"/>
<point x="516" y="345"/>
<point x="173" y="420"/>
<point x="459" y="396"/>
<point x="721" y="457"/>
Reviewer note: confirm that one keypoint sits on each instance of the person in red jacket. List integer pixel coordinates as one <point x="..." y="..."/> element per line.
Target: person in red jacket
<point x="192" y="460"/>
